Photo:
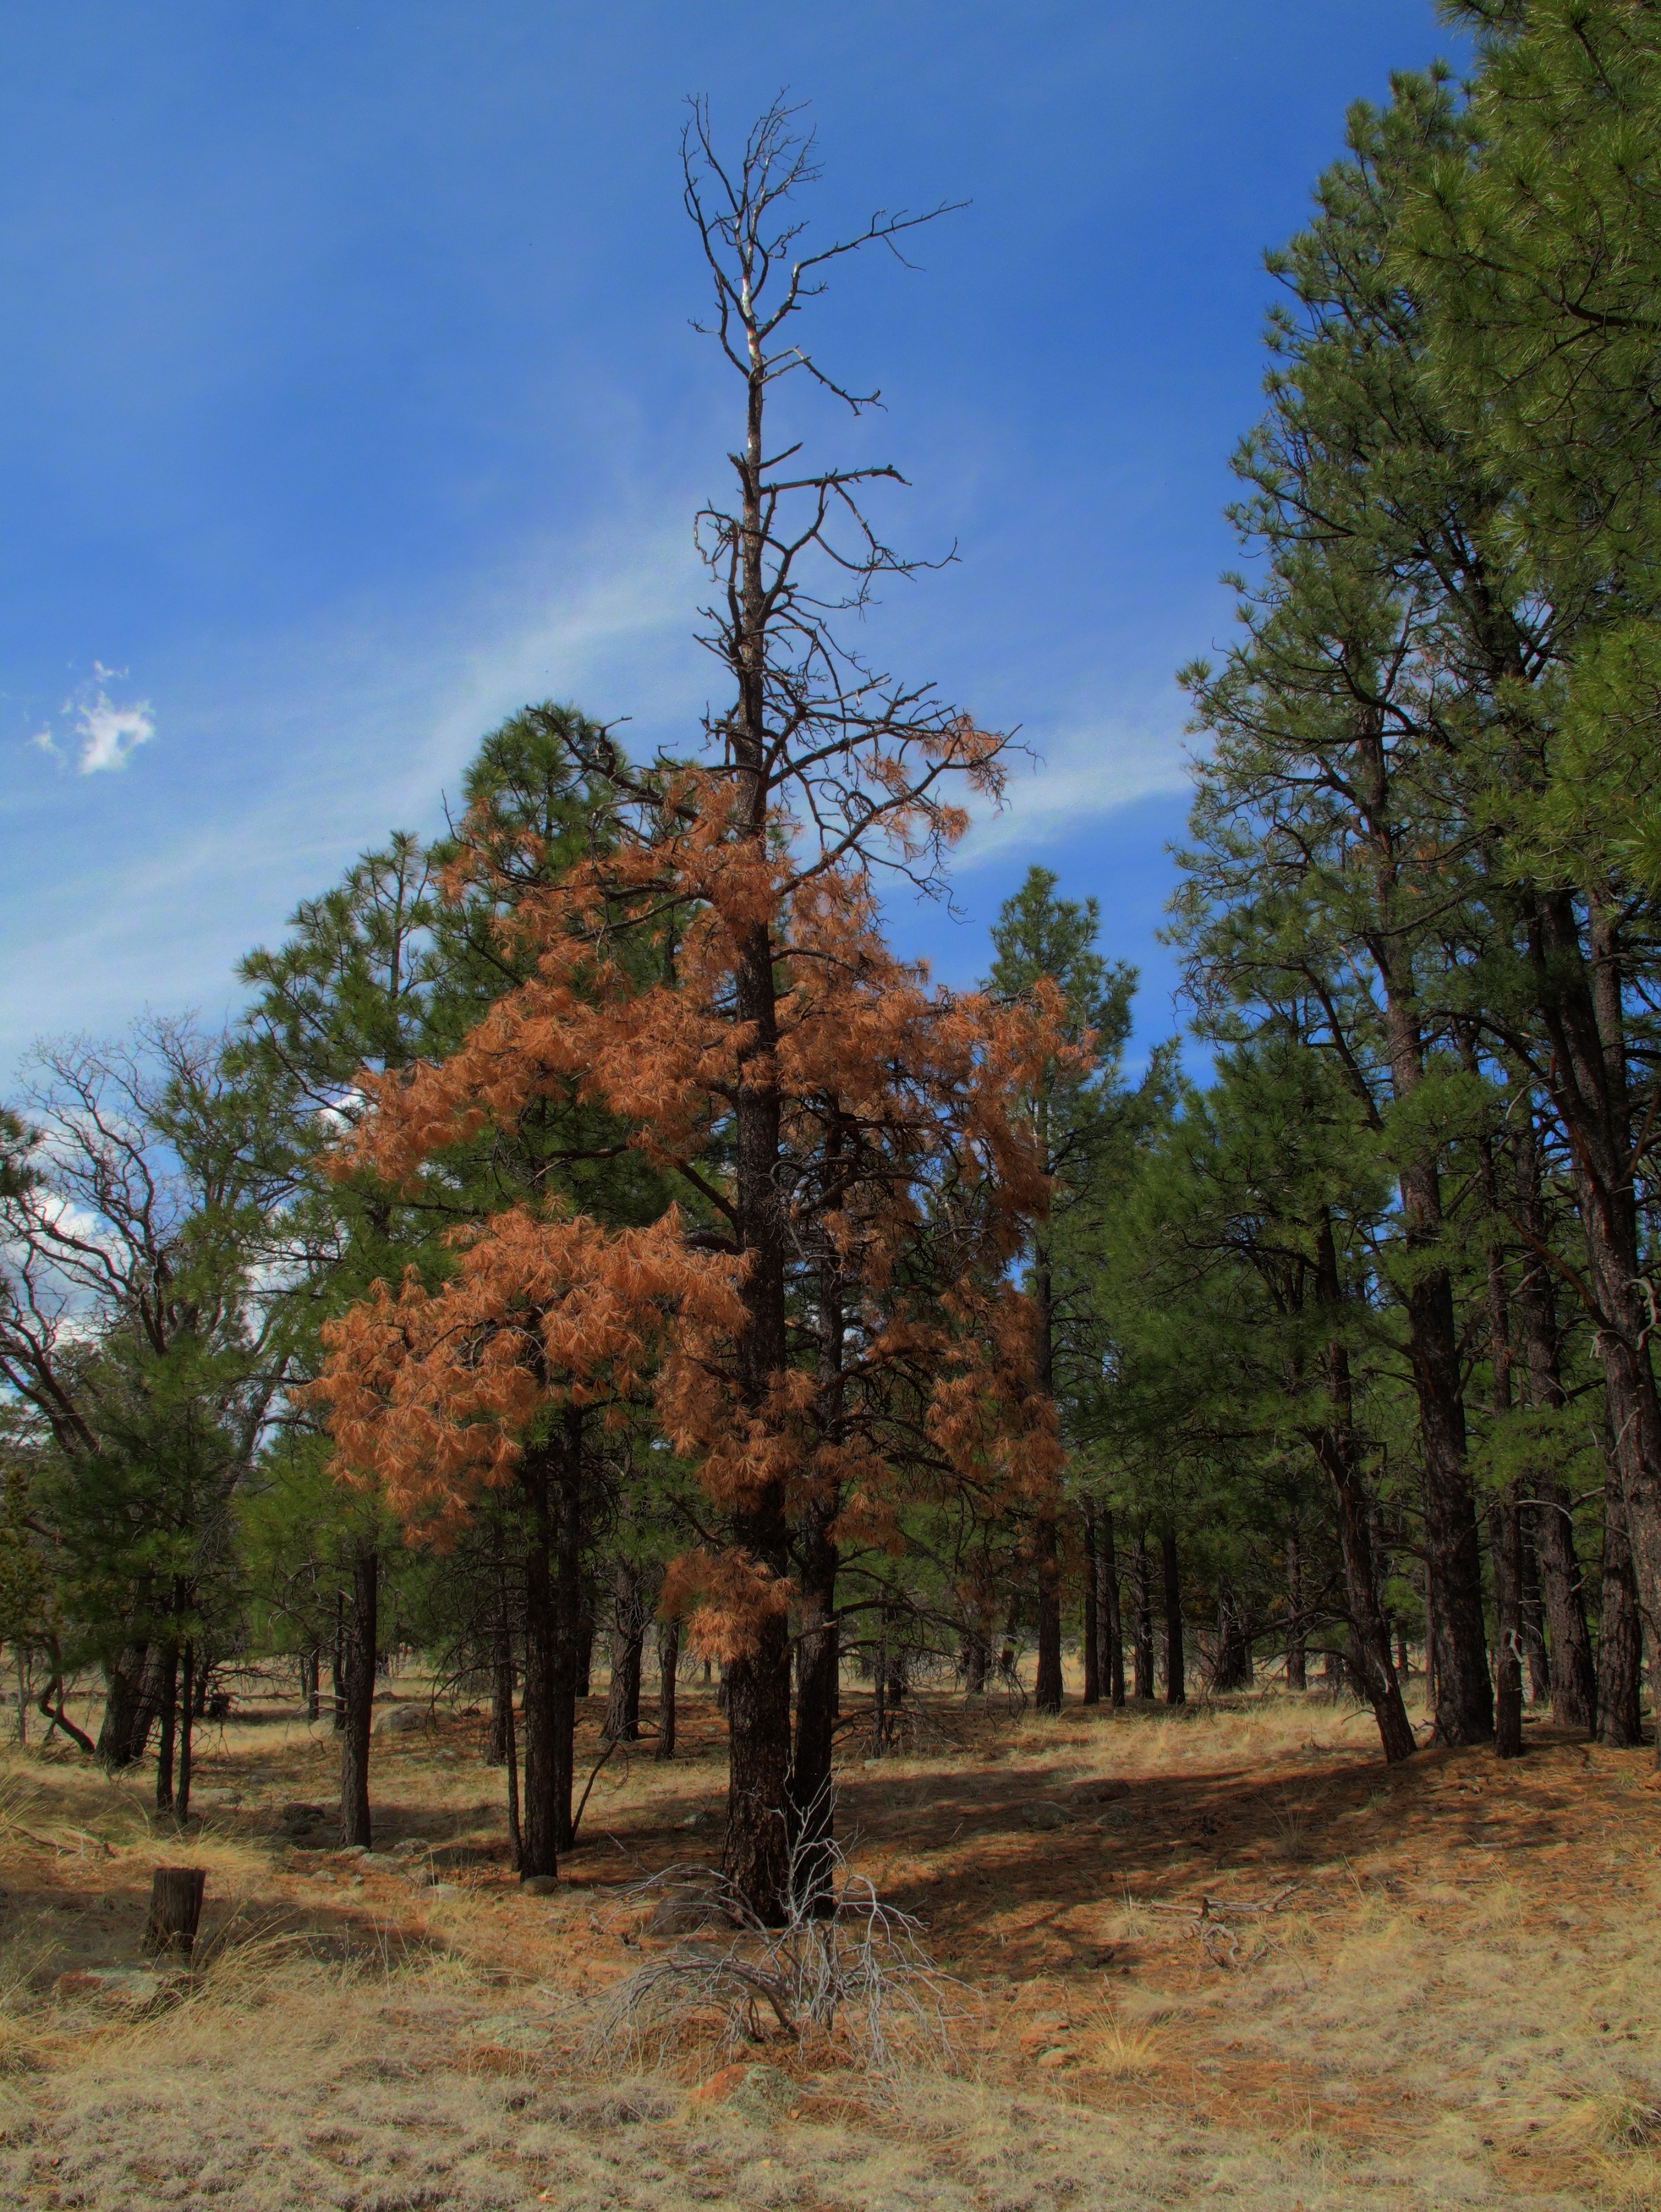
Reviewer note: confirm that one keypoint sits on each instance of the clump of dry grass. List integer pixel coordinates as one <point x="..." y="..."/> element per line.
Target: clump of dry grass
<point x="1440" y="1996"/>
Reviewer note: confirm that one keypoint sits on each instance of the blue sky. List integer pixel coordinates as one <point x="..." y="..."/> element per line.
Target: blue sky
<point x="349" y="401"/>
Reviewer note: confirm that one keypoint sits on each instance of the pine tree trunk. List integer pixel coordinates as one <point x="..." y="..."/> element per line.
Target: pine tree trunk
<point x="1142" y="1589"/>
<point x="1452" y="1547"/>
<point x="975" y="1660"/>
<point x="501" y="1701"/>
<point x="1233" y="1668"/>
<point x="1534" y="1612"/>
<point x="1621" y="1636"/>
<point x="1297" y="1661"/>
<point x="359" y="1683"/>
<point x="669" y="1660"/>
<point x="165" y="1739"/>
<point x="118" y="1729"/>
<point x="1579" y="992"/>
<point x="1110" y="1666"/>
<point x="756" y="1860"/>
<point x="539" y="1854"/>
<point x="1569" y="1652"/>
<point x="818" y="1699"/>
<point x="1047" y="1684"/>
<point x="187" y="1722"/>
<point x="572" y="1642"/>
<point x="1176" y="1689"/>
<point x="1338" y="1451"/>
<point x="1092" y="1625"/>
<point x="622" y="1710"/>
<point x="337" y="1660"/>
<point x="313" y="1694"/>
<point x="1506" y="1542"/>
<point x="1569" y="1657"/>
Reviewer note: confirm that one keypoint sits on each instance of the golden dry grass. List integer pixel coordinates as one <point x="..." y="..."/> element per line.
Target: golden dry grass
<point x="1272" y="1974"/>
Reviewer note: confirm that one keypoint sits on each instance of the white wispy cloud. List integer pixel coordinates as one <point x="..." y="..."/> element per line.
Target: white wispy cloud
<point x="103" y="733"/>
<point x="109" y="734"/>
<point x="1076" y="776"/>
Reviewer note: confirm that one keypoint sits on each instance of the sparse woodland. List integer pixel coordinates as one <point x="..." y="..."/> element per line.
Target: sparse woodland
<point x="596" y="1279"/>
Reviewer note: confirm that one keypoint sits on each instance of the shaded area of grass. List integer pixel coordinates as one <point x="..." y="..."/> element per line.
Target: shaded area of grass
<point x="1265" y="1971"/>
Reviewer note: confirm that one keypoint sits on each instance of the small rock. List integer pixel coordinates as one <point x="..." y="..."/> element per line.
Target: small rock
<point x="199" y="1797"/>
<point x="539" y="1885"/>
<point x="401" y="1720"/>
<point x="446" y="1889"/>
<point x="379" y="1862"/>
<point x="1040" y="1814"/>
<point x="406" y="1844"/>
<point x="294" y="1819"/>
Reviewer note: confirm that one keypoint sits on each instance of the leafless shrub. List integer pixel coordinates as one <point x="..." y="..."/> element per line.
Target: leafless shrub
<point x="844" y="1969"/>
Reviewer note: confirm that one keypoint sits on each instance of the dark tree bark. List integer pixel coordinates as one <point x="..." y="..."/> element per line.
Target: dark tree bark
<point x="818" y="1697"/>
<point x="574" y="1639"/>
<point x="1504" y="1516"/>
<point x="1574" y="1668"/>
<point x="175" y="1911"/>
<point x="582" y="1649"/>
<point x="1110" y="1665"/>
<point x="622" y="1709"/>
<point x="1232" y="1669"/>
<point x="1297" y="1659"/>
<point x="1579" y="985"/>
<point x="187" y="1724"/>
<point x="1141" y="1591"/>
<point x="1092" y="1654"/>
<point x="1620" y="1634"/>
<point x="166" y="1735"/>
<point x="1047" y="1683"/>
<point x="358" y="1672"/>
<point x="818" y="1646"/>
<point x="310" y="1669"/>
<point x="975" y="1660"/>
<point x="1452" y="1548"/>
<point x="1176" y="1691"/>
<point x="541" y="1838"/>
<point x="1533" y="1610"/>
<point x="1506" y="1542"/>
<point x="669" y="1660"/>
<point x="1338" y="1449"/>
<point x="337" y="1660"/>
<point x="124" y="1677"/>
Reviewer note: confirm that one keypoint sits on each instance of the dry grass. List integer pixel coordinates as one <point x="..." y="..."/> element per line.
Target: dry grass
<point x="1271" y="1974"/>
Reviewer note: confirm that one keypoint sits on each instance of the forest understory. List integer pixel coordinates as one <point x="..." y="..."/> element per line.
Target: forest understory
<point x="1268" y="1972"/>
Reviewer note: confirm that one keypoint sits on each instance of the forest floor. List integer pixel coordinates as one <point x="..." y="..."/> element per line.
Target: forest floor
<point x="1271" y="1973"/>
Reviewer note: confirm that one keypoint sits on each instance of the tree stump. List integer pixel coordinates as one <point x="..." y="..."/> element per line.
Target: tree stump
<point x="175" y="1909"/>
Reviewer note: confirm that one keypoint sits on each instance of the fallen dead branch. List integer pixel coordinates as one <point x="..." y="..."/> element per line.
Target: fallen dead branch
<point x="843" y="1966"/>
